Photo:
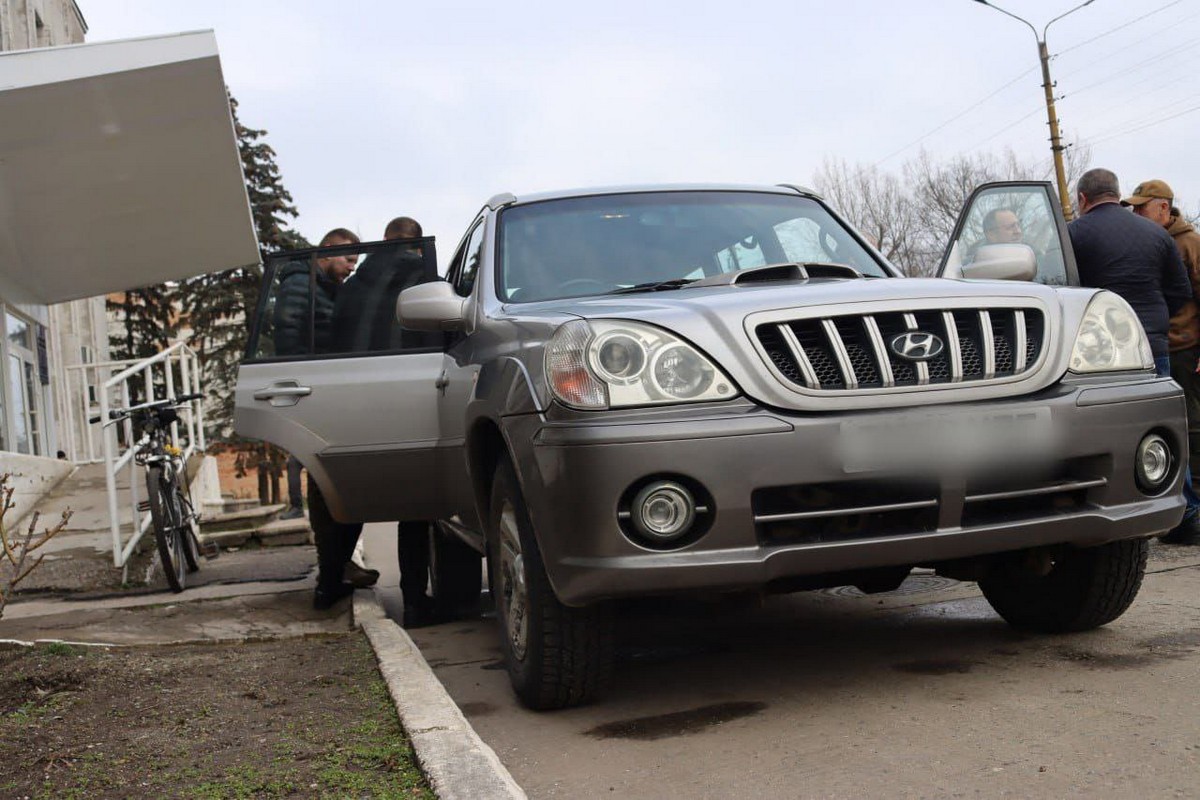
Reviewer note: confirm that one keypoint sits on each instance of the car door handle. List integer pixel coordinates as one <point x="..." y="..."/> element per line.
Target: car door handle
<point x="272" y="392"/>
<point x="442" y="381"/>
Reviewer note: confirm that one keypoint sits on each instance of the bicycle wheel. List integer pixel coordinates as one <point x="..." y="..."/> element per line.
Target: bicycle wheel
<point x="164" y="515"/>
<point x="189" y="531"/>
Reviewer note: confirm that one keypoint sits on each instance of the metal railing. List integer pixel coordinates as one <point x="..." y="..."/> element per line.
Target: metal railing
<point x="172" y="372"/>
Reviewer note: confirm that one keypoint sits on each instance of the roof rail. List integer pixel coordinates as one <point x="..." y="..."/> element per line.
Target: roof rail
<point x="501" y="200"/>
<point x="804" y="190"/>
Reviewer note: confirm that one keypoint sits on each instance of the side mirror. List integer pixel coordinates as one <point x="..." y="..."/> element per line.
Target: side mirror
<point x="431" y="306"/>
<point x="1002" y="262"/>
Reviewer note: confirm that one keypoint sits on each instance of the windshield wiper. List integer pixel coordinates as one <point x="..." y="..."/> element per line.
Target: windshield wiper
<point x="654" y="286"/>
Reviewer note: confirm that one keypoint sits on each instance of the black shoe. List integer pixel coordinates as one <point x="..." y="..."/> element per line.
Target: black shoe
<point x="295" y="512"/>
<point x="421" y="613"/>
<point x="359" y="577"/>
<point x="1186" y="532"/>
<point x="326" y="597"/>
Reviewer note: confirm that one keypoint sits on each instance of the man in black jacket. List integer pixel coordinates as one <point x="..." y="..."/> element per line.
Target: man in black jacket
<point x="364" y="316"/>
<point x="364" y="320"/>
<point x="337" y="575"/>
<point x="1128" y="255"/>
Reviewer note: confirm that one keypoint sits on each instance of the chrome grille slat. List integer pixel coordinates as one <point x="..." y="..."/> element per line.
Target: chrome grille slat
<point x="881" y="353"/>
<point x="1021" y="341"/>
<point x="806" y="368"/>
<point x="987" y="334"/>
<point x="956" y="368"/>
<point x="839" y="351"/>
<point x="910" y="320"/>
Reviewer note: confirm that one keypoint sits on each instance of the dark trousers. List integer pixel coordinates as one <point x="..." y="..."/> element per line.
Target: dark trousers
<point x="335" y="540"/>
<point x="294" y="468"/>
<point x="412" y="550"/>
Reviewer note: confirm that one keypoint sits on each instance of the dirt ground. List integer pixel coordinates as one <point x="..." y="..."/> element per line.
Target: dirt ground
<point x="289" y="718"/>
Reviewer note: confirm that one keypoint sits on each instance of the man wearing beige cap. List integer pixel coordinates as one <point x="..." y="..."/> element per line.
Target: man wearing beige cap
<point x="1154" y="200"/>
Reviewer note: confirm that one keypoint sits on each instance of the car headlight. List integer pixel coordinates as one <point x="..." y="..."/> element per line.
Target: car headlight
<point x="1110" y="337"/>
<point x="610" y="363"/>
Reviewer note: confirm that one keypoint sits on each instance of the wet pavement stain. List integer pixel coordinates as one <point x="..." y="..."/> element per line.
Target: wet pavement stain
<point x="493" y="665"/>
<point x="477" y="709"/>
<point x="936" y="667"/>
<point x="676" y="723"/>
<point x="1114" y="661"/>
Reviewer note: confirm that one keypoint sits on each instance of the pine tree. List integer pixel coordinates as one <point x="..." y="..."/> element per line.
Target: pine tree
<point x="219" y="307"/>
<point x="148" y="323"/>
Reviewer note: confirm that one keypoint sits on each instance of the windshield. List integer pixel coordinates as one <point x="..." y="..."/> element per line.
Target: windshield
<point x="593" y="245"/>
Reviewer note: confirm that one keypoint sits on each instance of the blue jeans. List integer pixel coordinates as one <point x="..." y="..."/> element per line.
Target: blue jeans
<point x="1162" y="365"/>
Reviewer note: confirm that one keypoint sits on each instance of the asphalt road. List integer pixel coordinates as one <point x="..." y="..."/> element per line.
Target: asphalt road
<point x="923" y="692"/>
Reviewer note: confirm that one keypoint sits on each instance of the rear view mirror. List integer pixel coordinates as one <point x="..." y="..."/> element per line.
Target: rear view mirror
<point x="1002" y="262"/>
<point x="431" y="307"/>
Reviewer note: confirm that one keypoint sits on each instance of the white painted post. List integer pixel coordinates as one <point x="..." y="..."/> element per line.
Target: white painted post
<point x="108" y="437"/>
<point x="171" y="395"/>
<point x="199" y="403"/>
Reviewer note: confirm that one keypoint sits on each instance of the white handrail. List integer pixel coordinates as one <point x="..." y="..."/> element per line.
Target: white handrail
<point x="157" y="370"/>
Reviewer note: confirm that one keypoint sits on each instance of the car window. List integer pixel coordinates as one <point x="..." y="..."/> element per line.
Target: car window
<point x="472" y="254"/>
<point x="1014" y="215"/>
<point x="338" y="301"/>
<point x="580" y="246"/>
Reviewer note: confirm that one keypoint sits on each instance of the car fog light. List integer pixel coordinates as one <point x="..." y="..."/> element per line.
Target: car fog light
<point x="663" y="511"/>
<point x="1153" y="463"/>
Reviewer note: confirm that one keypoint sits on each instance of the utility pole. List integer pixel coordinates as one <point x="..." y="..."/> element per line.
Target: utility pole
<point x="1056" y="145"/>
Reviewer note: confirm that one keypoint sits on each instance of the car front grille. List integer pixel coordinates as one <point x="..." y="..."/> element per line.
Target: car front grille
<point x="854" y="351"/>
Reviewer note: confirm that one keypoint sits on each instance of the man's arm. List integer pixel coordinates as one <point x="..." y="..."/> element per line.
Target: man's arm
<point x="1177" y="288"/>
<point x="291" y="316"/>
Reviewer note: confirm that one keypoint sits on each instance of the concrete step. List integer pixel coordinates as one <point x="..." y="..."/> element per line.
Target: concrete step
<point x="230" y="504"/>
<point x="279" y="533"/>
<point x="235" y="520"/>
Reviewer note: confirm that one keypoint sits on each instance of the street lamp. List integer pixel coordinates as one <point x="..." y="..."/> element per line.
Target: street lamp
<point x="1055" y="140"/>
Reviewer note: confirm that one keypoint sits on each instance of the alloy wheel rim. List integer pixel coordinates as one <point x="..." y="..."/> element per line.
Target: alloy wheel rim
<point x="514" y="596"/>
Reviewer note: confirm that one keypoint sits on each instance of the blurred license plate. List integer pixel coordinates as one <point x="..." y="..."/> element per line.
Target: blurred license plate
<point x="945" y="439"/>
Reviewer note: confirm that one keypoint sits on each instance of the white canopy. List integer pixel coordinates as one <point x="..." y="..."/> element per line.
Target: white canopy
<point x="118" y="168"/>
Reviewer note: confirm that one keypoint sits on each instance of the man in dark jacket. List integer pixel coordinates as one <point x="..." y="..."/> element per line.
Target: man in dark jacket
<point x="337" y="575"/>
<point x="364" y="319"/>
<point x="1154" y="200"/>
<point x="1130" y="256"/>
<point x="364" y="316"/>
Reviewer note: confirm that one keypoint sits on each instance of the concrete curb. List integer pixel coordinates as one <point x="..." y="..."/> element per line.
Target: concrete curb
<point x="456" y="762"/>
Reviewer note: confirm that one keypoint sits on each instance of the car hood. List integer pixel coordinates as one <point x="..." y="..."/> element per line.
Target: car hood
<point x="720" y="319"/>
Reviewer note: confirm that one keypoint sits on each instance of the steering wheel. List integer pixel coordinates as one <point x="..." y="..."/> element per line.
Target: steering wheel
<point x="582" y="283"/>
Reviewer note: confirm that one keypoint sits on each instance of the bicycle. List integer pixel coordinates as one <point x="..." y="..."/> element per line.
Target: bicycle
<point x="174" y="520"/>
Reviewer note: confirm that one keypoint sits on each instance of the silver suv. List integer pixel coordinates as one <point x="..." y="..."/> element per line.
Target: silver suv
<point x="670" y="389"/>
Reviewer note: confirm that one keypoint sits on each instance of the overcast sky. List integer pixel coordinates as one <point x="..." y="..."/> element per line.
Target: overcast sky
<point x="378" y="109"/>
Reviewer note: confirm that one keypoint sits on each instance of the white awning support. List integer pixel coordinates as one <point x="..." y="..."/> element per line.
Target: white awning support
<point x="119" y="168"/>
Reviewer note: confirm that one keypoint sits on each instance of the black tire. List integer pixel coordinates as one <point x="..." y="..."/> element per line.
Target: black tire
<point x="565" y="656"/>
<point x="455" y="574"/>
<point x="164" y="514"/>
<point x="190" y="535"/>
<point x="1085" y="588"/>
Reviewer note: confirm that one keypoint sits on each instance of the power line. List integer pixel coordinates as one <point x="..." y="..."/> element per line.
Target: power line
<point x="1120" y="27"/>
<point x="955" y="118"/>
<point x="1150" y="124"/>
<point x="1010" y="126"/>
<point x="1175" y="24"/>
<point x="1136" y="68"/>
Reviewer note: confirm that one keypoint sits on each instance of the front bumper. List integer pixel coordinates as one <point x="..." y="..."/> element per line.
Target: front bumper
<point x="755" y="463"/>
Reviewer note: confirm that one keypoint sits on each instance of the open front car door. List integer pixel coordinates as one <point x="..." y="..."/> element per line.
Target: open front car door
<point x="330" y="377"/>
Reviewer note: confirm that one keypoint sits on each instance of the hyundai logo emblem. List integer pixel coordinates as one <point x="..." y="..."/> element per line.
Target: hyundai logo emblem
<point x="917" y="345"/>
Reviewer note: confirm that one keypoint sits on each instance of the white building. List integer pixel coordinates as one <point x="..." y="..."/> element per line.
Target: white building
<point x="38" y="340"/>
<point x="93" y="137"/>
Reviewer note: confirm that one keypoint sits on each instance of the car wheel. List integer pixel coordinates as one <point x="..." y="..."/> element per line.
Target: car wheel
<point x="1083" y="588"/>
<point x="556" y="656"/>
<point x="455" y="574"/>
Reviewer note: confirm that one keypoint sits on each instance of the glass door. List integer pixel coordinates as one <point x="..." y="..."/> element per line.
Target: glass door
<point x="24" y="388"/>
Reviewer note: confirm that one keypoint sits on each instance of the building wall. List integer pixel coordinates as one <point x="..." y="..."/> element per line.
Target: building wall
<point x="73" y="332"/>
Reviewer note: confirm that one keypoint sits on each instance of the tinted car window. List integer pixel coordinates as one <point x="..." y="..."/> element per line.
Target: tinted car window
<point x="592" y="245"/>
<point x="312" y="310"/>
